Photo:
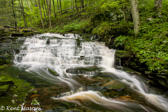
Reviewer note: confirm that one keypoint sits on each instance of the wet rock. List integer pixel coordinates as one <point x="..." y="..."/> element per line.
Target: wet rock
<point x="65" y="94"/>
<point x="104" y="75"/>
<point x="126" y="98"/>
<point x="99" y="78"/>
<point x="78" y="42"/>
<point x="89" y="71"/>
<point x="48" y="41"/>
<point x="57" y="109"/>
<point x="91" y="68"/>
<point x="95" y="88"/>
<point x="17" y="34"/>
<point x="73" y="110"/>
<point x="114" y="85"/>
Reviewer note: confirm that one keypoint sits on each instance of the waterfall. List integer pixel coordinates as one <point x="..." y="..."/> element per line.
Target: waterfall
<point x="44" y="53"/>
<point x="135" y="83"/>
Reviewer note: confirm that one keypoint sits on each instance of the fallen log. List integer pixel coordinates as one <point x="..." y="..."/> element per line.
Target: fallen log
<point x="13" y="27"/>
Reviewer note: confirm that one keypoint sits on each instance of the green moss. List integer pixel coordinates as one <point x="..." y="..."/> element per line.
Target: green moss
<point x="35" y="102"/>
<point x="26" y="30"/>
<point x="18" y="90"/>
<point x="114" y="85"/>
<point x="3" y="66"/>
<point x="53" y="72"/>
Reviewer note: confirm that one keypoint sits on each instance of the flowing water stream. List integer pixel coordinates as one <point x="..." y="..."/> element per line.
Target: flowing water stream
<point x="52" y="56"/>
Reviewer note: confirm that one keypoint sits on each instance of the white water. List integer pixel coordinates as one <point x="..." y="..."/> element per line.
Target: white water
<point x="39" y="57"/>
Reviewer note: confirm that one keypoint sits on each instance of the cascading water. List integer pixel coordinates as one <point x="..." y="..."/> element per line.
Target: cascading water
<point x="44" y="53"/>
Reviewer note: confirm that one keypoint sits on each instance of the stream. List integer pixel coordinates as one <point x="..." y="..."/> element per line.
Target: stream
<point x="85" y="70"/>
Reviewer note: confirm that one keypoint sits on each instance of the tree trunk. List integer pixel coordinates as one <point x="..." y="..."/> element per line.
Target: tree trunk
<point x="76" y="7"/>
<point x="135" y="16"/>
<point x="46" y="7"/>
<point x="158" y="7"/>
<point x="23" y="13"/>
<point x="82" y="5"/>
<point x="35" y="3"/>
<point x="54" y="8"/>
<point x="43" y="7"/>
<point x="41" y="15"/>
<point x="60" y="6"/>
<point x="49" y="12"/>
<point x="31" y="4"/>
<point x="30" y="9"/>
<point x="14" y="15"/>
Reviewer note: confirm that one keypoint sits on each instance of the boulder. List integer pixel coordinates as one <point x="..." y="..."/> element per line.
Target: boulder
<point x="114" y="85"/>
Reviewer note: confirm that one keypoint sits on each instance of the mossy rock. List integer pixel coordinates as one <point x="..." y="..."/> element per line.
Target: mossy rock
<point x="104" y="75"/>
<point x="18" y="88"/>
<point x="53" y="72"/>
<point x="114" y="85"/>
<point x="3" y="32"/>
<point x="26" y="30"/>
<point x="78" y="42"/>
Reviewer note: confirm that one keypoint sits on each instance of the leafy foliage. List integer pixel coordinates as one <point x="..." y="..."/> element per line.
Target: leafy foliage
<point x="103" y="29"/>
<point x="110" y="19"/>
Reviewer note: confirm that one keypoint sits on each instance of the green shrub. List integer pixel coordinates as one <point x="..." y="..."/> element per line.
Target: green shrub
<point x="121" y="40"/>
<point x="103" y="29"/>
<point x="77" y="25"/>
